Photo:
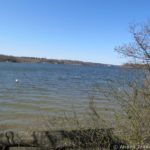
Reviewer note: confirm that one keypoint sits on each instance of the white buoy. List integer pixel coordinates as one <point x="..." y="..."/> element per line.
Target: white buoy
<point x="17" y="80"/>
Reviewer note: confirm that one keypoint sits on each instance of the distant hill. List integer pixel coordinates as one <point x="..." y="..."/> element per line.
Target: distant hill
<point x="5" y="58"/>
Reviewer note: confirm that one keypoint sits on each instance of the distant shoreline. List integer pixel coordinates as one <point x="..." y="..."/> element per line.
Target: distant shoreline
<point x="16" y="59"/>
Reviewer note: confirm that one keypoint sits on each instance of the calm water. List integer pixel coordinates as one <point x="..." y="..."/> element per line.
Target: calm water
<point x="50" y="89"/>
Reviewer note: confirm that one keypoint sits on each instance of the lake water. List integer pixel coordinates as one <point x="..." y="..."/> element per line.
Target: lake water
<point x="45" y="89"/>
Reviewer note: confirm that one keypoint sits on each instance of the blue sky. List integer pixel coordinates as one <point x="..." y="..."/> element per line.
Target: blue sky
<point x="86" y="30"/>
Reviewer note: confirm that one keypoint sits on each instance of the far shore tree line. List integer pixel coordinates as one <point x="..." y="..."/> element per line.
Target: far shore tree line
<point x="15" y="59"/>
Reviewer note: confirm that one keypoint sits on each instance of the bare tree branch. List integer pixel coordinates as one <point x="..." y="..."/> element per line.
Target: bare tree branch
<point x="139" y="49"/>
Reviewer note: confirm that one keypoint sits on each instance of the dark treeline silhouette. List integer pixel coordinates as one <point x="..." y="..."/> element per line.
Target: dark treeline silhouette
<point x="5" y="58"/>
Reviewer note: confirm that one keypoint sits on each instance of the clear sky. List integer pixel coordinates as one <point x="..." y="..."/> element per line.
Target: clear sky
<point x="85" y="30"/>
